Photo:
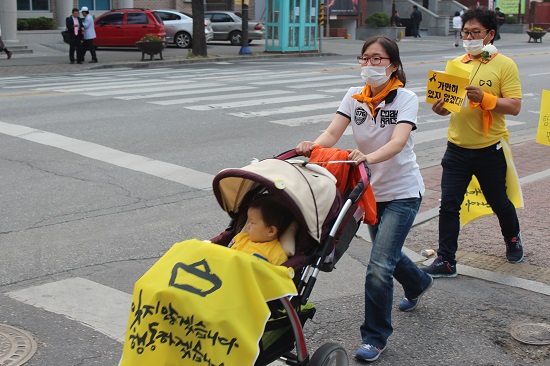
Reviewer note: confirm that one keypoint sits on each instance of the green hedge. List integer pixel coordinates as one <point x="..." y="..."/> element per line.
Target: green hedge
<point x="41" y="23"/>
<point x="379" y="19"/>
<point x="511" y="20"/>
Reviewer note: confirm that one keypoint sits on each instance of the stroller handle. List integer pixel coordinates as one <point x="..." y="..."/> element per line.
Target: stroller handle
<point x="358" y="190"/>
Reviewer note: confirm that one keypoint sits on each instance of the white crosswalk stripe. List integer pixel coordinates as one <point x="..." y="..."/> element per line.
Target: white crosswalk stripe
<point x="301" y="98"/>
<point x="190" y="90"/>
<point x="255" y="102"/>
<point x="217" y="97"/>
<point x="287" y="110"/>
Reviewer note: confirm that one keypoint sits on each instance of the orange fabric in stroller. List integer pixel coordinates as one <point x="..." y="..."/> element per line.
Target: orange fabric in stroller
<point x="345" y="179"/>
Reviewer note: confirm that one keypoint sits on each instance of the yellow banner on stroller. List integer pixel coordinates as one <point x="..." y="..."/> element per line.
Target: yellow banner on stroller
<point x="202" y="304"/>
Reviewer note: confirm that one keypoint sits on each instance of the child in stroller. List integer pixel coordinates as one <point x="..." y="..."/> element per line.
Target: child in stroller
<point x="266" y="219"/>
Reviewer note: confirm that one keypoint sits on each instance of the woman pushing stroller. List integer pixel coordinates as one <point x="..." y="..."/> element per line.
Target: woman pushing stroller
<point x="383" y="115"/>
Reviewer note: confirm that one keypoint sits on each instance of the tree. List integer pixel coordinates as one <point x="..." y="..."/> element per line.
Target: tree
<point x="199" y="39"/>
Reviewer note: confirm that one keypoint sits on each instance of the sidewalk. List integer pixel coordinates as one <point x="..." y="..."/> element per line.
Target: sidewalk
<point x="480" y="242"/>
<point x="476" y="250"/>
<point x="54" y="58"/>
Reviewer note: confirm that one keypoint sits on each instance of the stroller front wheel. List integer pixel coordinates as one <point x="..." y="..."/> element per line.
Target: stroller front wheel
<point x="329" y="354"/>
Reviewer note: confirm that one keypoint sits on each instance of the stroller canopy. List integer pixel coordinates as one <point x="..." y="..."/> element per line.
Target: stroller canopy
<point x="310" y="194"/>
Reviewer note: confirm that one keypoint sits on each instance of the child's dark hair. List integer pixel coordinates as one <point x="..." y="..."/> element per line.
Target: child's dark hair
<point x="274" y="213"/>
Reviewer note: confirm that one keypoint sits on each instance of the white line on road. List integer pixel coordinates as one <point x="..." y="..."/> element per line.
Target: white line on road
<point x="168" y="171"/>
<point x="298" y="80"/>
<point x="342" y="81"/>
<point x="70" y="82"/>
<point x="248" y="103"/>
<point x="217" y="97"/>
<point x="148" y="89"/>
<point x="285" y="110"/>
<point x="117" y="85"/>
<point x="308" y="120"/>
<point x="188" y="91"/>
<point x="102" y="308"/>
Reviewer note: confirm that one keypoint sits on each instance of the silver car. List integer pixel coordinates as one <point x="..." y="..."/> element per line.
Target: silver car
<point x="228" y="26"/>
<point x="179" y="28"/>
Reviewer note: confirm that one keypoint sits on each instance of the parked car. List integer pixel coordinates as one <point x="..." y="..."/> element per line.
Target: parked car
<point x="179" y="28"/>
<point x="124" y="27"/>
<point x="228" y="26"/>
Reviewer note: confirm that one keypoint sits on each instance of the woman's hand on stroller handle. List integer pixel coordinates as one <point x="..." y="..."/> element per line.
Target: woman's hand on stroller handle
<point x="358" y="157"/>
<point x="304" y="148"/>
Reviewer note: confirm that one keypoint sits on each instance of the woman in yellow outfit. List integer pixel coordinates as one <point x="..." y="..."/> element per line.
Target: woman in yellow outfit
<point x="474" y="146"/>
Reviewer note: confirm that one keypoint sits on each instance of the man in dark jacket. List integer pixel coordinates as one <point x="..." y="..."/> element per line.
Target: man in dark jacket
<point x="75" y="28"/>
<point x="501" y="18"/>
<point x="416" y="17"/>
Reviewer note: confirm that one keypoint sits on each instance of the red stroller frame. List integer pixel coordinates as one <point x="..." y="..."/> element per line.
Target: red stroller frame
<point x="288" y="315"/>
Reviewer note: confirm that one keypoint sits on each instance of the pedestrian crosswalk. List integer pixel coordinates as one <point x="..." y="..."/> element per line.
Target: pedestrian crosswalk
<point x="288" y="98"/>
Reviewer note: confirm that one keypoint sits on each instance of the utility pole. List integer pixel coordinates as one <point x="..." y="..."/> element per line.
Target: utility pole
<point x="245" y="48"/>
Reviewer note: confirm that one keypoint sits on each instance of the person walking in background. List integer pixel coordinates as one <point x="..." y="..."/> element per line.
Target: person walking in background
<point x="75" y="28"/>
<point x="457" y="27"/>
<point x="474" y="147"/>
<point x="416" y="17"/>
<point x="396" y="21"/>
<point x="89" y="35"/>
<point x="501" y="19"/>
<point x="382" y="115"/>
<point x="3" y="46"/>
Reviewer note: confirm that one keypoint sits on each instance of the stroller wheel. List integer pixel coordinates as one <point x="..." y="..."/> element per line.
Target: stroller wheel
<point x="329" y="354"/>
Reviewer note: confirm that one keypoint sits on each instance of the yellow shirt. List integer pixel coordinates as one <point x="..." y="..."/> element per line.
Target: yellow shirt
<point x="499" y="77"/>
<point x="271" y="251"/>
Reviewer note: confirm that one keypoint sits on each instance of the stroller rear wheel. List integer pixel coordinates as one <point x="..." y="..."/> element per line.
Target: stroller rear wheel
<point x="329" y="354"/>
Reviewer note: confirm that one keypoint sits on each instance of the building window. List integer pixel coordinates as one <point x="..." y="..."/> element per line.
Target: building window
<point x="35" y="5"/>
<point x="95" y="4"/>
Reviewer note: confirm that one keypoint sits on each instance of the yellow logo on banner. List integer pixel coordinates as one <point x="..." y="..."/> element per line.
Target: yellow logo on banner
<point x="475" y="205"/>
<point x="202" y="304"/>
<point x="543" y="132"/>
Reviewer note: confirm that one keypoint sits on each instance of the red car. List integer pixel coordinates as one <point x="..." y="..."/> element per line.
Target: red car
<point x="124" y="27"/>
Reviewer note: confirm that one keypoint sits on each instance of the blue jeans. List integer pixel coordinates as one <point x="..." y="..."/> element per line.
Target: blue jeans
<point x="387" y="261"/>
<point x="489" y="167"/>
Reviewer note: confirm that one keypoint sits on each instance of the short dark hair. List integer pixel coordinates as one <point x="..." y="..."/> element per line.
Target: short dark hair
<point x="274" y="213"/>
<point x="415" y="7"/>
<point x="497" y="9"/>
<point x="457" y="13"/>
<point x="393" y="52"/>
<point x="75" y="9"/>
<point x="483" y="15"/>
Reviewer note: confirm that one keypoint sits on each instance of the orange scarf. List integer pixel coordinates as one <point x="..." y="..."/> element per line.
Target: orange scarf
<point x="345" y="181"/>
<point x="366" y="98"/>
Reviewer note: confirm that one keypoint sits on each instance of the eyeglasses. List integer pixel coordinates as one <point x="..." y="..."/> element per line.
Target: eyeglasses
<point x="474" y="34"/>
<point x="373" y="60"/>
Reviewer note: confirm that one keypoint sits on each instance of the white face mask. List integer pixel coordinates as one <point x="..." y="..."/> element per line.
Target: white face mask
<point x="473" y="46"/>
<point x="375" y="75"/>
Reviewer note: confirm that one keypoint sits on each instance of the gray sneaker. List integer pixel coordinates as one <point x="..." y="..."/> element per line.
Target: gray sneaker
<point x="514" y="249"/>
<point x="440" y="268"/>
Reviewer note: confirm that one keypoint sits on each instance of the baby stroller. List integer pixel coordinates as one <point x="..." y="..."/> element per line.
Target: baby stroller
<point x="327" y="221"/>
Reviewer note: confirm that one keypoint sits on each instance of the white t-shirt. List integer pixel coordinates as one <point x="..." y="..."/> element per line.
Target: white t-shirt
<point x="398" y="177"/>
<point x="457" y="22"/>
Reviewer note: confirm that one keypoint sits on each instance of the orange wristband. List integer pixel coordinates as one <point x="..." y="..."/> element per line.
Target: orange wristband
<point x="489" y="102"/>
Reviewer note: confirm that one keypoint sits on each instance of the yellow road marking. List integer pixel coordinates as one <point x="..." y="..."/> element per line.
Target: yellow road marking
<point x="26" y="94"/>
